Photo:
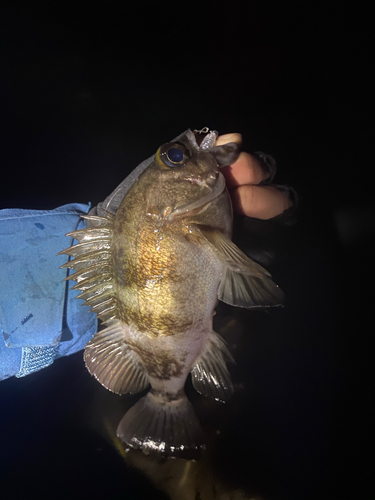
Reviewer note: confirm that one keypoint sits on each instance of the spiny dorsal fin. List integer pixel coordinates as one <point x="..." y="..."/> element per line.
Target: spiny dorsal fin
<point x="93" y="265"/>
<point x="97" y="233"/>
<point x="98" y="221"/>
<point x="210" y="374"/>
<point x="86" y="260"/>
<point x="244" y="282"/>
<point x="113" y="363"/>
<point x="88" y="272"/>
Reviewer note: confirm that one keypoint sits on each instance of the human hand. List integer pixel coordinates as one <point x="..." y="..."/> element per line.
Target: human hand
<point x="243" y="179"/>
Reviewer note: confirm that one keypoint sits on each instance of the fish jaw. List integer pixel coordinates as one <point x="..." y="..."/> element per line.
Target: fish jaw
<point x="213" y="193"/>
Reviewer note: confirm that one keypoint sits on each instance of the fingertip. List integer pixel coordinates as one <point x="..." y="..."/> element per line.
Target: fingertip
<point x="227" y="138"/>
<point x="246" y="170"/>
<point x="260" y="202"/>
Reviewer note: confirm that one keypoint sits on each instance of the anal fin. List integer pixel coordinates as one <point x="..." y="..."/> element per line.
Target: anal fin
<point x="113" y="363"/>
<point x="210" y="375"/>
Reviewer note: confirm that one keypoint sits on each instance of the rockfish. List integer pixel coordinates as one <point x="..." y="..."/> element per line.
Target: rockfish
<point x="153" y="272"/>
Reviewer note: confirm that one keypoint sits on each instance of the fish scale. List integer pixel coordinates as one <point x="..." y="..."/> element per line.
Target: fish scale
<point x="154" y="272"/>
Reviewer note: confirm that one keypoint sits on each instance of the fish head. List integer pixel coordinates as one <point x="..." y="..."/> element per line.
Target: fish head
<point x="185" y="175"/>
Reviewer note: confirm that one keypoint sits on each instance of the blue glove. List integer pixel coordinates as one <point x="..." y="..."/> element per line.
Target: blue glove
<point x="39" y="319"/>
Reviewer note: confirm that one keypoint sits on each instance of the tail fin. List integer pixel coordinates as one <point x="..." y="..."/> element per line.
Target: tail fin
<point x="159" y="426"/>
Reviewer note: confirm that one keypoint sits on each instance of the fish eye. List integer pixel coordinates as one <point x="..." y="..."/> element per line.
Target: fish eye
<point x="173" y="154"/>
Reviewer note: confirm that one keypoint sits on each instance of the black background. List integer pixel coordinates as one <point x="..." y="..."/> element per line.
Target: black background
<point x="88" y="91"/>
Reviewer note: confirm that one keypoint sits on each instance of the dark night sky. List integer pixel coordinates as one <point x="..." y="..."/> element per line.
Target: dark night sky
<point x="89" y="90"/>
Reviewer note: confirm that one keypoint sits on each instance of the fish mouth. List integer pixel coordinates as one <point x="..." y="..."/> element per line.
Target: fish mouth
<point x="205" y="138"/>
<point x="214" y="192"/>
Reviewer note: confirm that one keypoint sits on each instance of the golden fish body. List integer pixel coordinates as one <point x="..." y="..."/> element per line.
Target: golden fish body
<point x="154" y="273"/>
<point x="166" y="278"/>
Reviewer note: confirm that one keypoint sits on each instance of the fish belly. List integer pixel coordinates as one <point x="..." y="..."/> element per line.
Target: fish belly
<point x="166" y="294"/>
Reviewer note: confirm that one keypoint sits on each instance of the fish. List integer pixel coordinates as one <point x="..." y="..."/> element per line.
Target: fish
<point x="153" y="272"/>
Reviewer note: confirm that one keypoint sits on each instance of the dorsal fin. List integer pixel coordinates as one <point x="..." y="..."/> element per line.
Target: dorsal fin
<point x="93" y="265"/>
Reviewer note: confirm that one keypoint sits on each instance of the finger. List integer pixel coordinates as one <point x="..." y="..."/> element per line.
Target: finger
<point x="246" y="170"/>
<point x="226" y="138"/>
<point x="260" y="202"/>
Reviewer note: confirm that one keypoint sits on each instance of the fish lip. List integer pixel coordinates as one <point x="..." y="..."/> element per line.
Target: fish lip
<point x="214" y="193"/>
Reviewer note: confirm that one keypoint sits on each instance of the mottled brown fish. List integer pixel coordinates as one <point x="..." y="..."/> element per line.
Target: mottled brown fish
<point x="153" y="273"/>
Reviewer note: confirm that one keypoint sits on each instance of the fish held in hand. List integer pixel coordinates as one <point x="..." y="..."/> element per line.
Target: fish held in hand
<point x="153" y="273"/>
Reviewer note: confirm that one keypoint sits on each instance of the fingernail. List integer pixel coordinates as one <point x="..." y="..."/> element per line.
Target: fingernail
<point x="226" y="138"/>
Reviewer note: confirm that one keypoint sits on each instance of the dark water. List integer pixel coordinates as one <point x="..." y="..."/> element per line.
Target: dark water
<point x="87" y="93"/>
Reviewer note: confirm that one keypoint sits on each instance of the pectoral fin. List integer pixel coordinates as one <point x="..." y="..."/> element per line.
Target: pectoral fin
<point x="113" y="363"/>
<point x="210" y="374"/>
<point x="244" y="282"/>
